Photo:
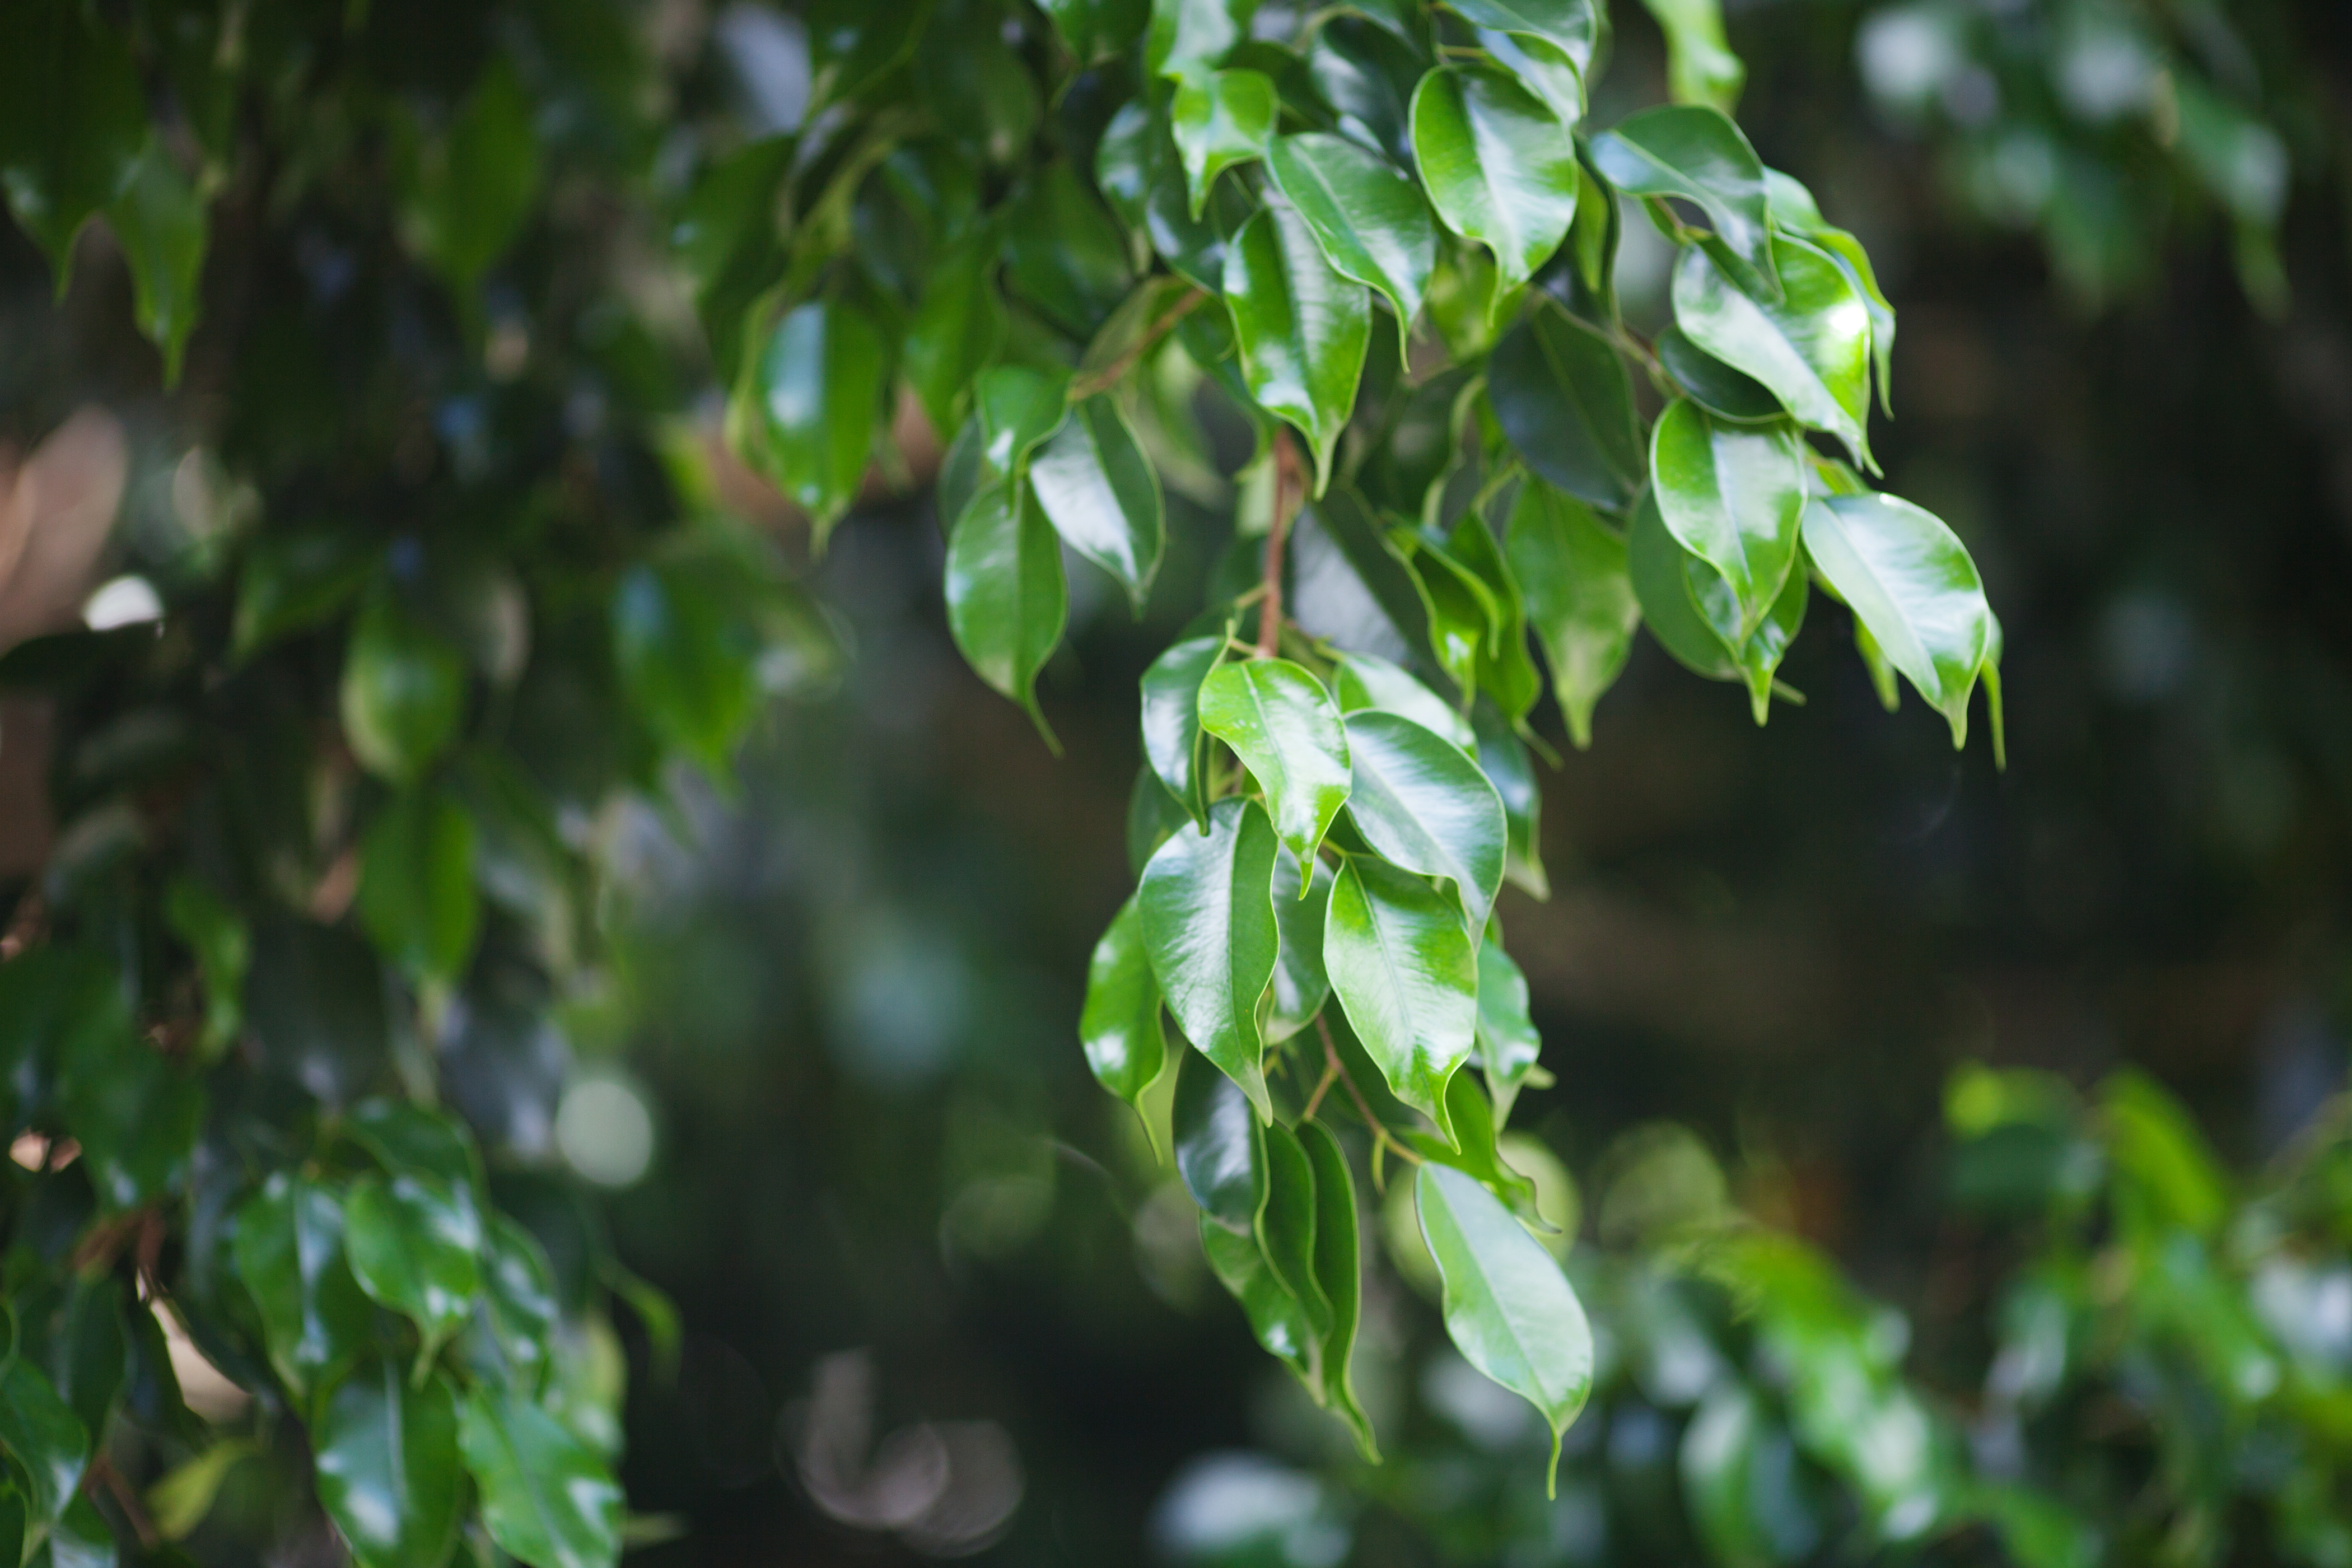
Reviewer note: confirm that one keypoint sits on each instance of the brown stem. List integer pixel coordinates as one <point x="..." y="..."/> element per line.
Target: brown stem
<point x="1380" y="1135"/>
<point x="1330" y="1073"/>
<point x="1111" y="374"/>
<point x="102" y="1470"/>
<point x="1289" y="492"/>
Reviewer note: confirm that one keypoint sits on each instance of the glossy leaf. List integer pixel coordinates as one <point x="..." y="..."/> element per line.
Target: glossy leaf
<point x="405" y="1136"/>
<point x="1016" y="409"/>
<point x="415" y="1245"/>
<point x="1300" y="986"/>
<point x="1579" y="598"/>
<point x="1811" y="348"/>
<point x="523" y="1314"/>
<point x="1561" y="394"/>
<point x="685" y="661"/>
<point x="1063" y="253"/>
<point x="1007" y="601"/>
<point x="1498" y="164"/>
<point x="1424" y="806"/>
<point x="1371" y="219"/>
<point x="820" y="387"/>
<point x="386" y="1455"/>
<point x="1477" y="1154"/>
<point x="1220" y="119"/>
<point x="1339" y="1274"/>
<point x="1574" y="26"/>
<point x="1171" y="717"/>
<point x="71" y="121"/>
<point x="1285" y="1226"/>
<point x="547" y="1497"/>
<point x="1220" y="1146"/>
<point x="1910" y="581"/>
<point x="1366" y="72"/>
<point x="1543" y="68"/>
<point x="403" y="690"/>
<point x="1655" y="562"/>
<point x="1508" y="1309"/>
<point x="1506" y="670"/>
<point x="1734" y="496"/>
<point x="1119" y="1026"/>
<point x="1274" y="1315"/>
<point x="1509" y="1045"/>
<point x="1188" y="37"/>
<point x="136" y="1113"/>
<point x="1504" y="758"/>
<point x="1093" y="28"/>
<point x="1364" y="681"/>
<point x="1099" y="491"/>
<point x="1700" y="66"/>
<point x="290" y="1256"/>
<point x="416" y="894"/>
<point x="1714" y="386"/>
<point x="1285" y="728"/>
<point x="1400" y="964"/>
<point x="1302" y="326"/>
<point x="1206" y="904"/>
<point x="1695" y="154"/>
<point x="956" y="330"/>
<point x="49" y="1442"/>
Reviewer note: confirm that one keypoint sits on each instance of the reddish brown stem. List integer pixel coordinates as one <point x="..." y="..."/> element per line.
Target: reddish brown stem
<point x="1289" y="492"/>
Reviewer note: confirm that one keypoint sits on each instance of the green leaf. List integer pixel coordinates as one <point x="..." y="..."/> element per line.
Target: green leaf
<point x="957" y="329"/>
<point x="688" y="667"/>
<point x="1794" y="209"/>
<point x="1303" y="328"/>
<point x="1363" y="682"/>
<point x="1220" y="119"/>
<point x="1007" y="601"/>
<point x="820" y="384"/>
<point x="1574" y="26"/>
<point x="1456" y="607"/>
<point x="293" y="581"/>
<point x="1473" y="1116"/>
<point x="1503" y="757"/>
<point x="73" y="119"/>
<point x="46" y="1439"/>
<point x="1719" y="1463"/>
<point x="1274" y="1316"/>
<point x="1911" y="583"/>
<point x="1700" y="66"/>
<point x="1285" y="1226"/>
<point x="1366" y="72"/>
<point x="403" y="690"/>
<point x="1371" y="219"/>
<point x="404" y="1136"/>
<point x="1506" y="670"/>
<point x="1017" y="408"/>
<point x="1220" y="1146"/>
<point x="1695" y="154"/>
<point x="82" y="1539"/>
<point x="416" y="896"/>
<point x="183" y="1498"/>
<point x="1400" y="964"/>
<point x="1063" y="253"/>
<point x="1100" y="493"/>
<point x="415" y="1245"/>
<point x="159" y="221"/>
<point x="1579" y="598"/>
<point x="135" y="1113"/>
<point x="223" y="943"/>
<point x="1424" y="806"/>
<point x="289" y="1257"/>
<point x="1339" y="1275"/>
<point x="1300" y="986"/>
<point x="1498" y="162"/>
<point x="1096" y="27"/>
<point x="1690" y="608"/>
<point x="852" y="46"/>
<point x="1563" y="398"/>
<point x="1509" y="1045"/>
<point x="1206" y="904"/>
<point x="1171" y="717"/>
<point x="1119" y="1026"/>
<point x="1714" y="386"/>
<point x="1189" y="38"/>
<point x="519" y="1288"/>
<point x="1811" y="348"/>
<point x="1544" y="68"/>
<point x="547" y="1498"/>
<point x="469" y="194"/>
<point x="1153" y="816"/>
<point x="1283" y="725"/>
<point x="1508" y="1309"/>
<point x="1733" y="495"/>
<point x="387" y="1457"/>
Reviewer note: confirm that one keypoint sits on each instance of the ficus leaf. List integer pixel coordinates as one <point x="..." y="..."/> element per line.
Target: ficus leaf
<point x="1811" y="347"/>
<point x="1274" y="1315"/>
<point x="1220" y="1146"/>
<point x="1911" y="583"/>
<point x="1171" y="717"/>
<point x="1402" y="965"/>
<point x="1099" y="491"/>
<point x="1369" y="219"/>
<point x="1697" y="155"/>
<point x="1339" y="1274"/>
<point x="956" y="330"/>
<point x="1700" y="66"/>
<point x="159" y="220"/>
<point x="1363" y="681"/>
<point x="1119" y="1026"/>
<point x="1504" y="758"/>
<point x="1007" y="600"/>
<point x="388" y="1467"/>
<point x="416" y="894"/>
<point x="1285" y="728"/>
<point x="1285" y="1226"/>
<point x="47" y="1440"/>
<point x="403" y="690"/>
<point x="1561" y="394"/>
<point x="71" y="121"/>
<point x="1220" y="119"/>
<point x="547" y="1497"/>
<point x="820" y="388"/>
<point x="1300" y="986"/>
<point x="416" y="1245"/>
<point x="288" y="1246"/>
<point x="1206" y="905"/>
<point x="1015" y="407"/>
<point x="1508" y="1309"/>
<point x="1714" y="386"/>
<point x="1188" y="37"/>
<point x="1424" y="806"/>
<point x="1509" y="1045"/>
<point x="1734" y="496"/>
<point x="1579" y="598"/>
<point x="1574" y="26"/>
<point x="1499" y="165"/>
<point x="1302" y="326"/>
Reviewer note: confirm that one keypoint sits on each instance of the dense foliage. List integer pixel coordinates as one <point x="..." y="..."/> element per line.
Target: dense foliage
<point x="459" y="571"/>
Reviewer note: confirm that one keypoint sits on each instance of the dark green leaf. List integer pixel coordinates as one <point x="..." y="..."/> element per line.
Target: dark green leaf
<point x="1220" y="1146"/>
<point x="293" y="581"/>
<point x="1121" y="1024"/>
<point x="1015" y="407"/>
<point x="852" y="46"/>
<point x="1283" y="725"/>
<point x="1274" y="1313"/>
<point x="1285" y="1226"/>
<point x="1366" y="72"/>
<point x="522" y="1314"/>
<point x="72" y="120"/>
<point x="1506" y="670"/>
<point x="1207" y="908"/>
<point x="289" y="1257"/>
<point x="1063" y="253"/>
<point x="1910" y="583"/>
<point x="1402" y="965"/>
<point x="46" y="1439"/>
<point x="547" y="1497"/>
<point x="1811" y="348"/>
<point x="820" y="389"/>
<point x="1722" y="391"/>
<point x="1503" y="757"/>
<point x="415" y="1245"/>
<point x="223" y="944"/>
<point x="1561" y="394"/>
<point x="416" y="894"/>
<point x="1509" y="1045"/>
<point x="1579" y="598"/>
<point x="1425" y="807"/>
<point x="159" y="221"/>
<point x="1220" y="119"/>
<point x="1153" y="816"/>
<point x="470" y="192"/>
<point x="1498" y="164"/>
<point x="1734" y="496"/>
<point x="1171" y="717"/>
<point x="1456" y="607"/>
<point x="687" y="665"/>
<point x="1300" y="986"/>
<point x="1007" y="601"/>
<point x="1338" y="1273"/>
<point x="403" y="690"/>
<point x="404" y="1136"/>
<point x="386" y="1455"/>
<point x="956" y="330"/>
<point x="1099" y="491"/>
<point x="1508" y="1309"/>
<point x="1694" y="155"/>
<point x="134" y="1112"/>
<point x="1096" y="27"/>
<point x="1303" y="328"/>
<point x="1371" y="220"/>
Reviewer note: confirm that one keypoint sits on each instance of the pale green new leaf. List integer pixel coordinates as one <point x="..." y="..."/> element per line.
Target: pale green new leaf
<point x="1188" y="37"/>
<point x="1498" y="165"/>
<point x="1508" y="1309"/>
<point x="1402" y="965"/>
<point x="1015" y="407"/>
<point x="1911" y="584"/>
<point x="1363" y="681"/>
<point x="1302" y="326"/>
<point x="1206" y="904"/>
<point x="1700" y="66"/>
<point x="1285" y="728"/>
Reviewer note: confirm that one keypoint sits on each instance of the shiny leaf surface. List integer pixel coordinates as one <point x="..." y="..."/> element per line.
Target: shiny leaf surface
<point x="1426" y="808"/>
<point x="1121" y="1024"/>
<point x="1811" y="348"/>
<point x="1302" y="326"/>
<point x="1206" y="904"/>
<point x="1498" y="164"/>
<point x="1099" y="491"/>
<point x="1579" y="598"/>
<point x="1402" y="965"/>
<point x="1734" y="496"/>
<point x="1285" y="728"/>
<point x="1371" y="219"/>
<point x="1909" y="582"/>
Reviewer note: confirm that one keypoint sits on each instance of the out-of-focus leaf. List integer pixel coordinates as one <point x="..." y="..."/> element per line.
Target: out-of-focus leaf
<point x="403" y="690"/>
<point x="1220" y="119"/>
<point x="470" y="192"/>
<point x="72" y="121"/>
<point x="415" y="1245"/>
<point x="547" y="1498"/>
<point x="223" y="944"/>
<point x="1007" y="599"/>
<point x="820" y="382"/>
<point x="1274" y="1313"/>
<point x="386" y="1454"/>
<point x="46" y="1438"/>
<point x="291" y="1260"/>
<point x="159" y="220"/>
<point x="957" y="329"/>
<point x="1099" y="491"/>
<point x="1063" y="253"/>
<point x="1189" y="38"/>
<point x="134" y="1111"/>
<point x="416" y="894"/>
<point x="1700" y="66"/>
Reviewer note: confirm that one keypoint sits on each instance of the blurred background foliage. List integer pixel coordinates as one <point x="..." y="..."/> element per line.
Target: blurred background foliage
<point x="939" y="1298"/>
